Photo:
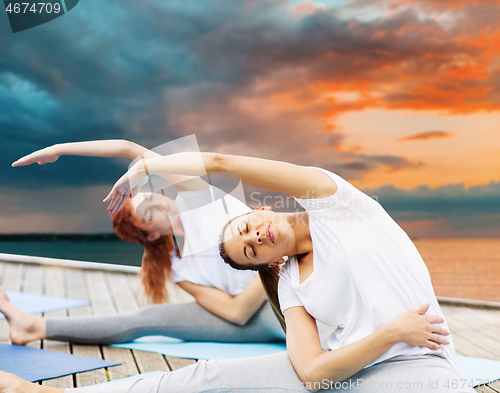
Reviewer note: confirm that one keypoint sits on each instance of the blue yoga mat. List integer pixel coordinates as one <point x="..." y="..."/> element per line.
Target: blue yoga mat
<point x="35" y="304"/>
<point x="37" y="365"/>
<point x="202" y="350"/>
<point x="478" y="370"/>
<point x="152" y="374"/>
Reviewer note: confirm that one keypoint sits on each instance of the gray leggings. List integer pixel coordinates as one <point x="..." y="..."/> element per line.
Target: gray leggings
<point x="275" y="374"/>
<point x="186" y="321"/>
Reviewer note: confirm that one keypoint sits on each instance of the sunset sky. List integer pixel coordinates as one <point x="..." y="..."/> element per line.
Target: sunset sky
<point x="400" y="97"/>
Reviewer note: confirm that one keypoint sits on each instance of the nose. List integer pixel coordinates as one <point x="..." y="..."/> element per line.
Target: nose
<point x="257" y="237"/>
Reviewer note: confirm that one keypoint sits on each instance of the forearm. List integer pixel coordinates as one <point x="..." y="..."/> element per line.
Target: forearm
<point x="104" y="148"/>
<point x="294" y="180"/>
<point x="126" y="149"/>
<point x="188" y="164"/>
<point x="344" y="362"/>
<point x="238" y="309"/>
<point x="249" y="301"/>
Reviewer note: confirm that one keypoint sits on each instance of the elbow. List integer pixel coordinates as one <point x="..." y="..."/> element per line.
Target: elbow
<point x="239" y="318"/>
<point x="215" y="162"/>
<point x="312" y="381"/>
<point x="127" y="149"/>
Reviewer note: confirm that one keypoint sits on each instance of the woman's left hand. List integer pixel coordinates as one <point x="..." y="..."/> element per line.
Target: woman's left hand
<point x="129" y="184"/>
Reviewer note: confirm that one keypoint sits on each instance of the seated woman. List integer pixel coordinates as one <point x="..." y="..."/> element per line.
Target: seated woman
<point x="354" y="269"/>
<point x="230" y="306"/>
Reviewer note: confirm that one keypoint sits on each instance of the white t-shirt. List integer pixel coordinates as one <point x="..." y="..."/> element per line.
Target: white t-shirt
<point x="203" y="218"/>
<point x="366" y="271"/>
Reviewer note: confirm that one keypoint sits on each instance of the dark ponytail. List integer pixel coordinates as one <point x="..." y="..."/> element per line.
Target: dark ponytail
<point x="269" y="276"/>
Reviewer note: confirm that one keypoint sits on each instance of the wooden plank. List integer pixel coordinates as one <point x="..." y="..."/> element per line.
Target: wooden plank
<point x="125" y="299"/>
<point x="33" y="283"/>
<point x="177" y="363"/>
<point x="127" y="368"/>
<point x="121" y="292"/>
<point x="77" y="289"/>
<point x="103" y="303"/>
<point x="12" y="276"/>
<point x="98" y="293"/>
<point x="488" y="319"/>
<point x="149" y="361"/>
<point x="495" y="386"/>
<point x="176" y="294"/>
<point x="55" y="286"/>
<point x="138" y="289"/>
<point x="464" y="325"/>
<point x="484" y="389"/>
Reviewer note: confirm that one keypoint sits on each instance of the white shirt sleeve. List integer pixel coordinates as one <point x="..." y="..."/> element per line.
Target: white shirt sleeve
<point x="286" y="295"/>
<point x="347" y="198"/>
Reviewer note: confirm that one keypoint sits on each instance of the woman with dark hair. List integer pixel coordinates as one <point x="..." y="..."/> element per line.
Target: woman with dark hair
<point x="230" y="306"/>
<point x="377" y="345"/>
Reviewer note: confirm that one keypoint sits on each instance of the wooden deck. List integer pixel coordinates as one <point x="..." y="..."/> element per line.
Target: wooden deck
<point x="476" y="332"/>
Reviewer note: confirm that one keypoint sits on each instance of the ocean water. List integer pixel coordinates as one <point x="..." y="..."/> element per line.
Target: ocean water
<point x="459" y="268"/>
<point x="113" y="252"/>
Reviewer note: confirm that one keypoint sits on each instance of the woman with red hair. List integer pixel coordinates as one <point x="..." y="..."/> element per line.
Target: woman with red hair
<point x="229" y="306"/>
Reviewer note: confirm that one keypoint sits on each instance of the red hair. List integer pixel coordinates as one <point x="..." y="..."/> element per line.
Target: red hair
<point x="156" y="263"/>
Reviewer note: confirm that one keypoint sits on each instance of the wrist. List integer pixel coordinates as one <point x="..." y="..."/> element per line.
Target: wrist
<point x="55" y="149"/>
<point x="141" y="168"/>
<point x="391" y="333"/>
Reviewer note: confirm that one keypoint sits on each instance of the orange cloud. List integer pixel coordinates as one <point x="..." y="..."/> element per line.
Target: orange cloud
<point x="292" y="92"/>
<point x="423" y="136"/>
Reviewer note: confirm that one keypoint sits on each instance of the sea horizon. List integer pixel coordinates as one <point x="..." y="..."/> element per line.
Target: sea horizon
<point x="465" y="268"/>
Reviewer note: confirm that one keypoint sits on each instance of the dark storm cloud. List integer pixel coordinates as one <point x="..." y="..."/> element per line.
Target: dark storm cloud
<point x="104" y="70"/>
<point x="449" y="201"/>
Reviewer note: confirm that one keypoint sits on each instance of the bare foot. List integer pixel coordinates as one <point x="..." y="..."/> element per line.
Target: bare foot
<point x="9" y="383"/>
<point x="23" y="327"/>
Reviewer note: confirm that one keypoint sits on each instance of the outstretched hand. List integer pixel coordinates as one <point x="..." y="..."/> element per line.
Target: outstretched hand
<point x="42" y="156"/>
<point x="129" y="184"/>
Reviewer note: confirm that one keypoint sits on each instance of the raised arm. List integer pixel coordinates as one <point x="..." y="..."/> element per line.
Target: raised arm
<point x="108" y="148"/>
<point x="313" y="366"/>
<point x="294" y="180"/>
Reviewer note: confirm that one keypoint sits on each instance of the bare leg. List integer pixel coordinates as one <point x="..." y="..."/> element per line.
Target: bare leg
<point x="23" y="327"/>
<point x="11" y="384"/>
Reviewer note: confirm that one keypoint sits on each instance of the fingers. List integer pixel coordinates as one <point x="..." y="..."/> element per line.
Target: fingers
<point x="435" y="319"/>
<point x="439" y="339"/>
<point x="23" y="161"/>
<point x="423" y="308"/>
<point x="433" y="345"/>
<point x="110" y="195"/>
<point x="114" y="202"/>
<point x="119" y="204"/>
<point x="439" y="330"/>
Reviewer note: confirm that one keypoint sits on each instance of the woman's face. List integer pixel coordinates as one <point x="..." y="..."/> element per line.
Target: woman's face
<point x="260" y="238"/>
<point x="152" y="212"/>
